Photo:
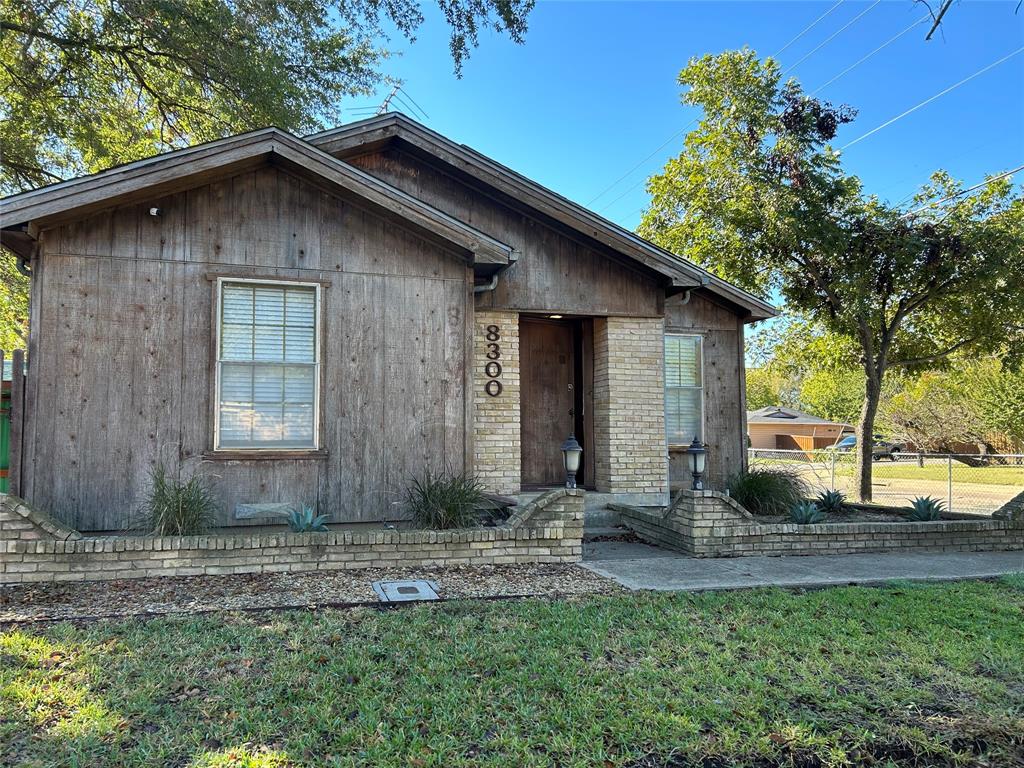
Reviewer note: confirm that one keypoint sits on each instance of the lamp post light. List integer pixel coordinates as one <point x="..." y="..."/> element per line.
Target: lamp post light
<point x="696" y="454"/>
<point x="571" y="453"/>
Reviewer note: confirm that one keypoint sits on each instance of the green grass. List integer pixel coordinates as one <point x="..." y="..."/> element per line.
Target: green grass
<point x="908" y="470"/>
<point x="851" y="676"/>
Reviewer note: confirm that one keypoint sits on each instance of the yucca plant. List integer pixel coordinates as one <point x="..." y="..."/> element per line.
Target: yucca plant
<point x="305" y="520"/>
<point x="831" y="502"/>
<point x="444" y="500"/>
<point x="806" y="513"/>
<point x="173" y="508"/>
<point x="767" y="491"/>
<point x="925" y="509"/>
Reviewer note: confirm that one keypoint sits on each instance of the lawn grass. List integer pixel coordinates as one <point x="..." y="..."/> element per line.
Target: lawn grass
<point x="844" y="676"/>
<point x="994" y="474"/>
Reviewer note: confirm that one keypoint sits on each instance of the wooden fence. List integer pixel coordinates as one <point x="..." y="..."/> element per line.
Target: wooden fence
<point x="16" y="415"/>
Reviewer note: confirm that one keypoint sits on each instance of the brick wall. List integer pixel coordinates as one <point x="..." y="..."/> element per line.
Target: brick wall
<point x="19" y="521"/>
<point x="710" y="524"/>
<point x="550" y="530"/>
<point x="629" y="407"/>
<point x="496" y="433"/>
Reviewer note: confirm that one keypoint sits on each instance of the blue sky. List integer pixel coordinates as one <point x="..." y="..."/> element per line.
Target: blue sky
<point x="593" y="90"/>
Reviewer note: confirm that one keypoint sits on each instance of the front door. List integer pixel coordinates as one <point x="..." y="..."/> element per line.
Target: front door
<point x="548" y="375"/>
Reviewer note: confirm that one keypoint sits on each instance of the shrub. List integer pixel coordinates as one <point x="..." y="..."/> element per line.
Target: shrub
<point x="924" y="509"/>
<point x="444" y="500"/>
<point x="831" y="502"/>
<point x="173" y="508"/>
<point x="765" y="491"/>
<point x="305" y="521"/>
<point x="806" y="513"/>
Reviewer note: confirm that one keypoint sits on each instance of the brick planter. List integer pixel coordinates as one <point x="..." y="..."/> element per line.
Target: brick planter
<point x="710" y="524"/>
<point x="549" y="530"/>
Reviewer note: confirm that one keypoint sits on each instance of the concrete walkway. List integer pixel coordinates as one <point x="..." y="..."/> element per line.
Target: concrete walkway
<point x="639" y="566"/>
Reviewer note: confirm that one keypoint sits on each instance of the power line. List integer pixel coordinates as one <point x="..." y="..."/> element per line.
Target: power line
<point x="916" y="107"/>
<point x="415" y="104"/>
<point x="860" y="61"/>
<point x="964" y="191"/>
<point x="613" y="202"/>
<point x="831" y="37"/>
<point x="807" y="29"/>
<point x="675" y="135"/>
<point x="629" y="173"/>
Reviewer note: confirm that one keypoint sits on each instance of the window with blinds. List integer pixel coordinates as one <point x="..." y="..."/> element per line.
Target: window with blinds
<point x="267" y="358"/>
<point x="684" y="389"/>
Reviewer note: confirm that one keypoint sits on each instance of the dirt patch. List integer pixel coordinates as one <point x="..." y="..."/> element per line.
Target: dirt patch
<point x="851" y="515"/>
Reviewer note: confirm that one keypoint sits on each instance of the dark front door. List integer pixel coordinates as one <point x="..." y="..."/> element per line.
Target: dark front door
<point x="548" y="374"/>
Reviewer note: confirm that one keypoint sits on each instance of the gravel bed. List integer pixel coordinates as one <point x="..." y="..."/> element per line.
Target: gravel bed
<point x="186" y="594"/>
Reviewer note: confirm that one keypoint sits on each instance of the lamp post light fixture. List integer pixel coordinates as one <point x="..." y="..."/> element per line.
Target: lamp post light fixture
<point x="571" y="453"/>
<point x="696" y="454"/>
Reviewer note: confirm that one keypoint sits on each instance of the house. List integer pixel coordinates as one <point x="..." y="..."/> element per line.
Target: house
<point x="775" y="427"/>
<point x="318" y="320"/>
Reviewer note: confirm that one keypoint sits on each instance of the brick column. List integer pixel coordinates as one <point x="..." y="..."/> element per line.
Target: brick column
<point x="496" y="433"/>
<point x="629" y="409"/>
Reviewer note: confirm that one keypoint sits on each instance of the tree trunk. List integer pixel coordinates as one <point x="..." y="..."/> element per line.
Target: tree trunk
<point x="865" y="430"/>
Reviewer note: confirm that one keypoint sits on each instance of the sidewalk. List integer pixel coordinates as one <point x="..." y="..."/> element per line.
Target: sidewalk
<point x="639" y="566"/>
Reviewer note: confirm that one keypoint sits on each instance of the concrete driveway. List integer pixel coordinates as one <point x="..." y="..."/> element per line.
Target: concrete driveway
<point x="639" y="566"/>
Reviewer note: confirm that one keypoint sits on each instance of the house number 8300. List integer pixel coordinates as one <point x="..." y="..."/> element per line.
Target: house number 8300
<point x="493" y="368"/>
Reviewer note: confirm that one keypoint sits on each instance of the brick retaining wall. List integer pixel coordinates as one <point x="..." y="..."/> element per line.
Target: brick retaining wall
<point x="549" y="530"/>
<point x="710" y="524"/>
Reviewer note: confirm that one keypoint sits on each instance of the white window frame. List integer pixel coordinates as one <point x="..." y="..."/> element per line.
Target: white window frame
<point x="317" y="356"/>
<point x="701" y="387"/>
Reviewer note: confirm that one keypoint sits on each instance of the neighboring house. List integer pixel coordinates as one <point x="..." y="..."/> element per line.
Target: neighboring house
<point x="776" y="427"/>
<point x="319" y="320"/>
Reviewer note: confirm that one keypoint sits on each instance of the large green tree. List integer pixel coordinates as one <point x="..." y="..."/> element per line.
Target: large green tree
<point x="86" y="84"/>
<point x="759" y="196"/>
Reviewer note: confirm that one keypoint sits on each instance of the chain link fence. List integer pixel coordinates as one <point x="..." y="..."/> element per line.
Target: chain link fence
<point x="968" y="484"/>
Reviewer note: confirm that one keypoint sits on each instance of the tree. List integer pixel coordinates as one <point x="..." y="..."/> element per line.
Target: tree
<point x="833" y="395"/>
<point x="88" y="84"/>
<point x="759" y="196"/>
<point x="13" y="304"/>
<point x="936" y="414"/>
<point x="763" y="388"/>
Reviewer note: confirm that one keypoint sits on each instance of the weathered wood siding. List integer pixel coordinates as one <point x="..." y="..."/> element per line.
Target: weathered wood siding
<point x="724" y="396"/>
<point x="556" y="270"/>
<point x="121" y="366"/>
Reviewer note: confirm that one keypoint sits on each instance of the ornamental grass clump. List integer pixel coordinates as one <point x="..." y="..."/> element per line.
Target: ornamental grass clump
<point x="767" y="491"/>
<point x="173" y="508"/>
<point x="806" y="513"/>
<point x="444" y="500"/>
<point x="925" y="509"/>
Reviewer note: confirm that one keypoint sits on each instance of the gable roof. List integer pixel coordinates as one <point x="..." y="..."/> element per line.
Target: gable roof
<point x="776" y="414"/>
<point x="366" y="135"/>
<point x="180" y="169"/>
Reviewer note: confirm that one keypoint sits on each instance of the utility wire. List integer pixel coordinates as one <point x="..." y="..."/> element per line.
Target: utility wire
<point x="916" y="107"/>
<point x="860" y="61"/>
<point x="955" y="195"/>
<point x="831" y="37"/>
<point x="629" y="173"/>
<point x="675" y="135"/>
<point x="807" y="29"/>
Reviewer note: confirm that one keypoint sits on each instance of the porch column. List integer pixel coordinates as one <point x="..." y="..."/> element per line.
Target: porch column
<point x="496" y="428"/>
<point x="629" y="409"/>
